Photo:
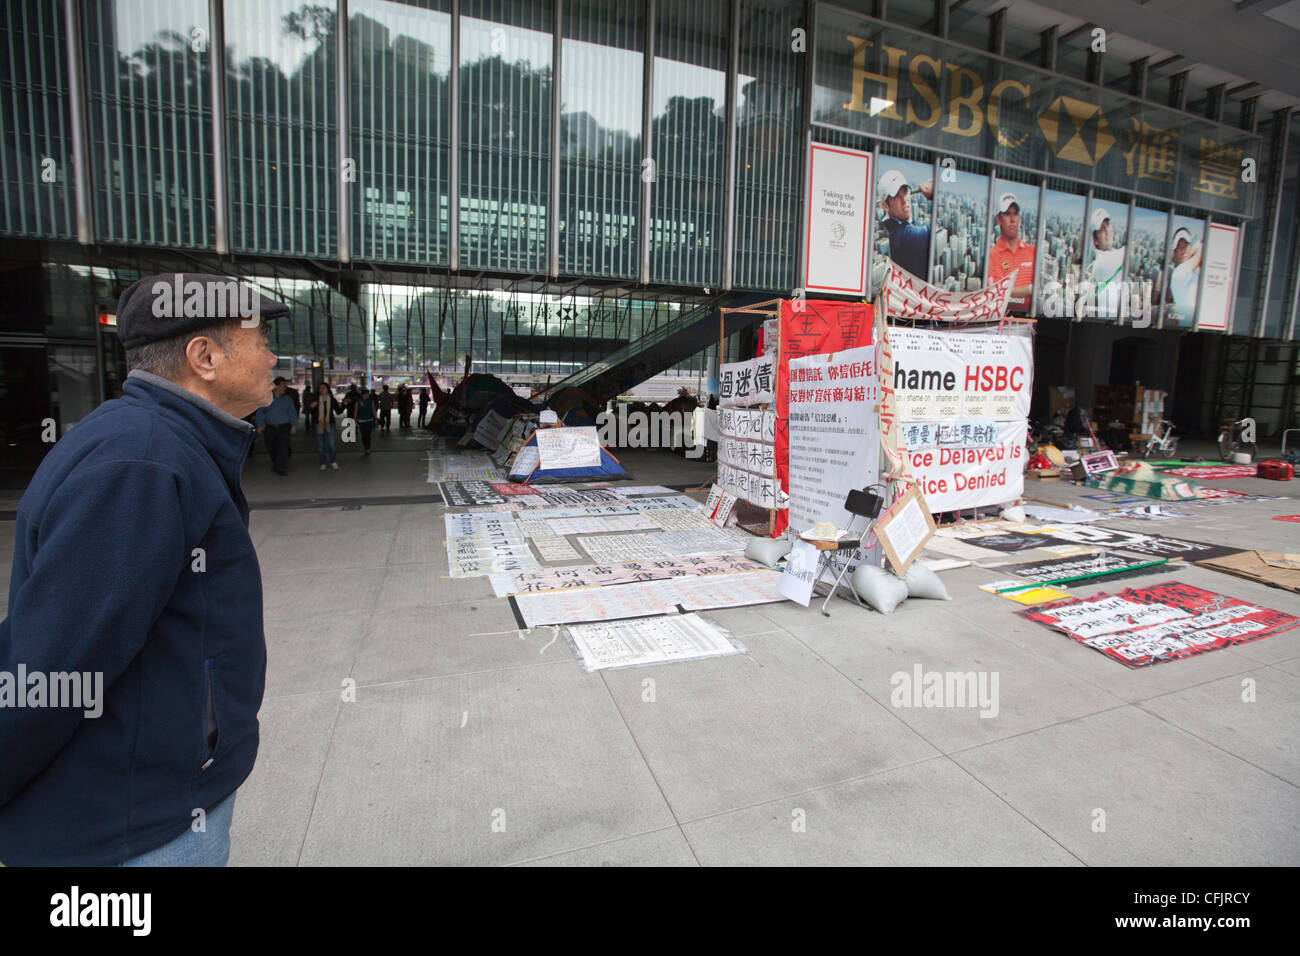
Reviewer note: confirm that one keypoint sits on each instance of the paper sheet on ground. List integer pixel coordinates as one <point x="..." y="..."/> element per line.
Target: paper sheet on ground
<point x="656" y="640"/>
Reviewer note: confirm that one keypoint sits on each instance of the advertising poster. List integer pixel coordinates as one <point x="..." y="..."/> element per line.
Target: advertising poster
<point x="1014" y="230"/>
<point x="1220" y="278"/>
<point x="961" y="211"/>
<point x="1184" y="267"/>
<point x="1062" y="253"/>
<point x="1103" y="272"/>
<point x="962" y="400"/>
<point x="839" y="184"/>
<point x="1146" y="264"/>
<point x="834" y="434"/>
<point x="904" y="213"/>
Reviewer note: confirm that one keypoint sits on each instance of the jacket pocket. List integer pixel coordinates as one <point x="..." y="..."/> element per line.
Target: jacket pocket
<point x="211" y="729"/>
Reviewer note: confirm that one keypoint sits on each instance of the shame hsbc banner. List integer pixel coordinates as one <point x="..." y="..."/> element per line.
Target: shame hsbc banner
<point x="962" y="403"/>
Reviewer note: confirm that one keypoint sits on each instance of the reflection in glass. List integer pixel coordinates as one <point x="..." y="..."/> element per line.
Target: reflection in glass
<point x="399" y="111"/>
<point x="768" y="165"/>
<point x="600" y="139"/>
<point x="505" y="129"/>
<point x="149" y="112"/>
<point x="688" y="141"/>
<point x="35" y="127"/>
<point x="281" y="126"/>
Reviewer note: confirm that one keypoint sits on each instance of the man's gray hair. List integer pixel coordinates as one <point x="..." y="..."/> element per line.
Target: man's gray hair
<point x="166" y="357"/>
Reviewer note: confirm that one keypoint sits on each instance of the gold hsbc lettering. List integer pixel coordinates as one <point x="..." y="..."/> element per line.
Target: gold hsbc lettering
<point x="967" y="106"/>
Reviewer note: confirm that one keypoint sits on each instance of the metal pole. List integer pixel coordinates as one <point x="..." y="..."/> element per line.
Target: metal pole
<point x="76" y="104"/>
<point x="557" y="72"/>
<point x="729" y="184"/>
<point x="648" y="171"/>
<point x="341" y="94"/>
<point x="453" y="158"/>
<point x="217" y="80"/>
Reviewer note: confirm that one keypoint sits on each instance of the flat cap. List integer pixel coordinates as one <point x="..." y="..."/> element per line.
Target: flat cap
<point x="163" y="306"/>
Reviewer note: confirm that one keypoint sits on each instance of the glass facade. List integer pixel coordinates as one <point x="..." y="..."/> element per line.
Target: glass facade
<point x="36" y="160"/>
<point x="149" y="113"/>
<point x="282" y="126"/>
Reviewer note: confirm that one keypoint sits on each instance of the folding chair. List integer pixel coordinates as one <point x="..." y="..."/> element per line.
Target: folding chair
<point x="864" y="504"/>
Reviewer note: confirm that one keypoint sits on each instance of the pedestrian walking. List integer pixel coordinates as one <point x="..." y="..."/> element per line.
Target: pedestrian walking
<point x="325" y="408"/>
<point x="133" y="563"/>
<point x="278" y="421"/>
<point x="385" y="409"/>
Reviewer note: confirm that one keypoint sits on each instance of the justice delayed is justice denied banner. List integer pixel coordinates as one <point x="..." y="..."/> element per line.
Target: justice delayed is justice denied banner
<point x="962" y="403"/>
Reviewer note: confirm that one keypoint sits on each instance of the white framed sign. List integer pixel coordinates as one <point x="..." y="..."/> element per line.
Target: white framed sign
<point x="836" y="229"/>
<point x="1219" y="281"/>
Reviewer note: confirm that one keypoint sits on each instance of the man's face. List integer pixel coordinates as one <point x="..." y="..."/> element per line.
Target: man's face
<point x="1104" y="237"/>
<point x="1009" y="222"/>
<point x="900" y="206"/>
<point x="1182" y="251"/>
<point x="244" y="378"/>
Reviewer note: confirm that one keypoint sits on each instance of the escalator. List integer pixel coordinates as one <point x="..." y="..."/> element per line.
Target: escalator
<point x="661" y="348"/>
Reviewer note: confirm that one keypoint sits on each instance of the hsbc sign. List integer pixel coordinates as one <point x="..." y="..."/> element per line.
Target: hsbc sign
<point x="908" y="87"/>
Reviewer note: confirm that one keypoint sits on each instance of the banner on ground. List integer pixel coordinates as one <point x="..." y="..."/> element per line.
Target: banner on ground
<point x="957" y="408"/>
<point x="908" y="297"/>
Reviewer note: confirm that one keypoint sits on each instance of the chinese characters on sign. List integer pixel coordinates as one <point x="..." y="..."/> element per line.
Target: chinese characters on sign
<point x="747" y="383"/>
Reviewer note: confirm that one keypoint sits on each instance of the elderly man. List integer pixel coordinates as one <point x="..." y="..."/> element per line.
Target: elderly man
<point x="133" y="571"/>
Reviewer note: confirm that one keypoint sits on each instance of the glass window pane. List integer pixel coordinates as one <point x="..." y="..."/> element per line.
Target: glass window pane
<point x="399" y="106"/>
<point x="688" y="141"/>
<point x="505" y="127"/>
<point x="281" y="126"/>
<point x="600" y="139"/>
<point x="149" y="93"/>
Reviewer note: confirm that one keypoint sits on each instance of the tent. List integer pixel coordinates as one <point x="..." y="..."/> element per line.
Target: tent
<point x="527" y="468"/>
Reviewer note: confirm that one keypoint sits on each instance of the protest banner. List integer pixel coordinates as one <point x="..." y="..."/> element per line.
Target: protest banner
<point x="909" y="297"/>
<point x="568" y="448"/>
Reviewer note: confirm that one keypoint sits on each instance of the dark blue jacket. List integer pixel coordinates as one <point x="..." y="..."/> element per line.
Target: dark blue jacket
<point x="106" y="578"/>
<point x="909" y="246"/>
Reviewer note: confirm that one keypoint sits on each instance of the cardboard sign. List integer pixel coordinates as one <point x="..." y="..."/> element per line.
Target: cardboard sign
<point x="904" y="529"/>
<point x="568" y="447"/>
<point x="719" y="505"/>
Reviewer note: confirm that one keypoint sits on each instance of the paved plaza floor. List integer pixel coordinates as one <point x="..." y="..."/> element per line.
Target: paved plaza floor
<point x="472" y="742"/>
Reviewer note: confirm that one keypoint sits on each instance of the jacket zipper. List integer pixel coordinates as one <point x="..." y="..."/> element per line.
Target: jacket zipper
<point x="209" y="718"/>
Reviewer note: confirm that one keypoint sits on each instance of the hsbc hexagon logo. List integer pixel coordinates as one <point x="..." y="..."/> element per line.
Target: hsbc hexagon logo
<point x="1076" y="131"/>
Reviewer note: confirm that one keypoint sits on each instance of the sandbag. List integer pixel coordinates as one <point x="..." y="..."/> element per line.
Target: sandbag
<point x="924" y="583"/>
<point x="767" y="551"/>
<point x="882" y="590"/>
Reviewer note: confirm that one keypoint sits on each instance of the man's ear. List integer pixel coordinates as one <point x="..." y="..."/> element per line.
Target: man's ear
<point x="201" y="355"/>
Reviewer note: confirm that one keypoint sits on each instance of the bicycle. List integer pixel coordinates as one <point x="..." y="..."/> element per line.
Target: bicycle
<point x="1162" y="441"/>
<point x="1230" y="442"/>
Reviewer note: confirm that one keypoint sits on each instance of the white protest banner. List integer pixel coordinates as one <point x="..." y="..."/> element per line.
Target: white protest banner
<point x="1220" y="265"/>
<point x="747" y="424"/>
<point x="750" y="382"/>
<point x="834" y="430"/>
<point x="957" y="375"/>
<point x="962" y="400"/>
<point x="756" y="489"/>
<point x="568" y="447"/>
<point x="958" y="477"/>
<point x="839" y="183"/>
<point x="907" y="297"/>
<point x="491" y="429"/>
